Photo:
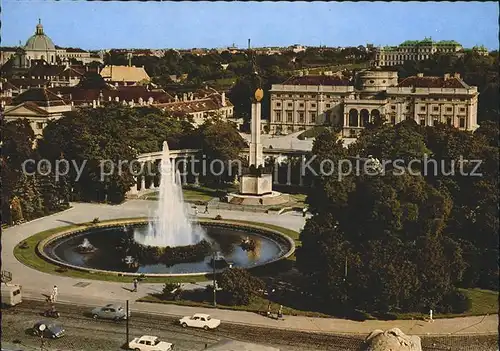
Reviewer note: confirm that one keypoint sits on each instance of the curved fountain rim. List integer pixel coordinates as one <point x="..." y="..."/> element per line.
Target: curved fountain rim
<point x="69" y="232"/>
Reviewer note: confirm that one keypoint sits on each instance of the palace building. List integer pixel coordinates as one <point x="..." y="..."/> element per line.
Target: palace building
<point x="307" y="101"/>
<point x="418" y="50"/>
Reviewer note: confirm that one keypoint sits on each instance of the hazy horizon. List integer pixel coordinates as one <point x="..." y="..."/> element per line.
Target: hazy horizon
<point x="186" y="25"/>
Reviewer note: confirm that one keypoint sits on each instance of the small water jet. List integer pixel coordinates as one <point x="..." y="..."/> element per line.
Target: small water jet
<point x="85" y="247"/>
<point x="170" y="226"/>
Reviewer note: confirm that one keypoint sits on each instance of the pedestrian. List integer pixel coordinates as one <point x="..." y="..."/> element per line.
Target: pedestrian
<point x="280" y="312"/>
<point x="53" y="296"/>
<point x="135" y="285"/>
<point x="206" y="209"/>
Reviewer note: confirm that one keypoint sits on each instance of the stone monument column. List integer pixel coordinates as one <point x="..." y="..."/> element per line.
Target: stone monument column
<point x="256" y="156"/>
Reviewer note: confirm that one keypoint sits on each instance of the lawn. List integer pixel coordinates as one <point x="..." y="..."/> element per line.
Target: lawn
<point x="30" y="258"/>
<point x="193" y="194"/>
<point x="257" y="304"/>
<point x="483" y="302"/>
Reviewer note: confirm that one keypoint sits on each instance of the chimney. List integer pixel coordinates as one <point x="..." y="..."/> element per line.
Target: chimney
<point x="93" y="104"/>
<point x="456" y="75"/>
<point x="117" y="98"/>
<point x="184" y="97"/>
<point x="420" y="75"/>
<point x="223" y="98"/>
<point x="141" y="101"/>
<point x="446" y="76"/>
<point x="109" y="98"/>
<point x="176" y="98"/>
<point x="150" y="100"/>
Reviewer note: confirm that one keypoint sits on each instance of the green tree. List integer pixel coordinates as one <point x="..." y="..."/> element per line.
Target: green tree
<point x="239" y="285"/>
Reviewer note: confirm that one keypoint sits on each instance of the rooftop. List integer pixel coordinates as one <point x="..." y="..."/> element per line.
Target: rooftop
<point x="40" y="96"/>
<point x="316" y="80"/>
<point x="433" y="82"/>
<point x="124" y="73"/>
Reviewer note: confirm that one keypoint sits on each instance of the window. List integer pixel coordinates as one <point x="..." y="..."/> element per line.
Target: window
<point x="301" y="104"/>
<point x="39" y="125"/>
<point x="435" y="121"/>
<point x="393" y="107"/>
<point x="449" y="99"/>
<point x="301" y="96"/>
<point x="407" y="108"/>
<point x="462" y="122"/>
<point x="449" y="109"/>
<point x="422" y="108"/>
<point x="301" y="117"/>
<point x="327" y="105"/>
<point x="422" y="121"/>
<point x="313" y="105"/>
<point x="352" y="133"/>
<point x="278" y="116"/>
<point x="290" y="104"/>
<point x="278" y="104"/>
<point x="448" y="121"/>
<point x="289" y="116"/>
<point x="313" y="117"/>
<point x="462" y="109"/>
<point x="435" y="108"/>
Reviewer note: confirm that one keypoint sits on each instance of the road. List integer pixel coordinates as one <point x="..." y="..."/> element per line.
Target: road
<point x="84" y="333"/>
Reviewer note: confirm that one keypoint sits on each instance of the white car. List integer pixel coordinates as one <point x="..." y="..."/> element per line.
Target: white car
<point x="150" y="343"/>
<point x="199" y="320"/>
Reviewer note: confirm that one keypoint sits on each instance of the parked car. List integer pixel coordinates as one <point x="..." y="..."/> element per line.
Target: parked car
<point x="199" y="320"/>
<point x="110" y="311"/>
<point x="48" y="329"/>
<point x="150" y="343"/>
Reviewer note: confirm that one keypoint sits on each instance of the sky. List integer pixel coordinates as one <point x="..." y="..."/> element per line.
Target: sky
<point x="100" y="25"/>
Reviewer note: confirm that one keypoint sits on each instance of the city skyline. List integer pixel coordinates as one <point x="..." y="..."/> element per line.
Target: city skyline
<point x="215" y="25"/>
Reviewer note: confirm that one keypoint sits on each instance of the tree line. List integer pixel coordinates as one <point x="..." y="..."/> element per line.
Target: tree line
<point x="86" y="137"/>
<point x="404" y="240"/>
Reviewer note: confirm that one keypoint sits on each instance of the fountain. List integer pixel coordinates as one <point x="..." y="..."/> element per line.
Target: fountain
<point x="170" y="225"/>
<point x="85" y="247"/>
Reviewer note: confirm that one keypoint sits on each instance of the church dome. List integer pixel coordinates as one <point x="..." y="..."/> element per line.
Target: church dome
<point x="39" y="41"/>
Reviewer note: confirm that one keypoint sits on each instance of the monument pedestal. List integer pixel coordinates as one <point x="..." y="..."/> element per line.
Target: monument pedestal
<point x="256" y="185"/>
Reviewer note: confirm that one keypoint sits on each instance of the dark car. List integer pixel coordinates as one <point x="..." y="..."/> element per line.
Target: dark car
<point x="48" y="329"/>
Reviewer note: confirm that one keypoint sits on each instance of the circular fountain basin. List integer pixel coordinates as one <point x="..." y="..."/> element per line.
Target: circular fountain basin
<point x="62" y="249"/>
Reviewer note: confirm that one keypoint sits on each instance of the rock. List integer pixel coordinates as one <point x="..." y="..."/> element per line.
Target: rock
<point x="392" y="340"/>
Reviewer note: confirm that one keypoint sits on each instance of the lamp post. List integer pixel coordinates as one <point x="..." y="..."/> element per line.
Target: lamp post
<point x="126" y="324"/>
<point x="215" y="282"/>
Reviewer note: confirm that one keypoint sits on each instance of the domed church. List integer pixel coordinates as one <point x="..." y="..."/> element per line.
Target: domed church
<point x="40" y="47"/>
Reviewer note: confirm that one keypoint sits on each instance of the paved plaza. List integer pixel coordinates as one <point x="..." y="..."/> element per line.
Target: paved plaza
<point x="36" y="283"/>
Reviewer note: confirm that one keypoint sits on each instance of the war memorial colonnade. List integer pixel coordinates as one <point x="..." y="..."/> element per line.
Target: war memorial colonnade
<point x="284" y="161"/>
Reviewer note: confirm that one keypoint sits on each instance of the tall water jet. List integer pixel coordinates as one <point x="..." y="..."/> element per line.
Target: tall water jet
<point x="170" y="225"/>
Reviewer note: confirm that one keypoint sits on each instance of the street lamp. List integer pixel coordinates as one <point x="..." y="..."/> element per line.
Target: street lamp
<point x="214" y="282"/>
